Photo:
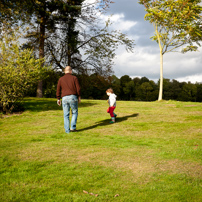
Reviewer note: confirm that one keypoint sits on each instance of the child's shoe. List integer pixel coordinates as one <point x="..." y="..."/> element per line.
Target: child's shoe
<point x="113" y="120"/>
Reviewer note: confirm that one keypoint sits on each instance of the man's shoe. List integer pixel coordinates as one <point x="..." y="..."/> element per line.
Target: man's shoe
<point x="112" y="122"/>
<point x="74" y="130"/>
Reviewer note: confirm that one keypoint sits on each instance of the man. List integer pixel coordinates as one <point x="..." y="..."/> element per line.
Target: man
<point x="69" y="89"/>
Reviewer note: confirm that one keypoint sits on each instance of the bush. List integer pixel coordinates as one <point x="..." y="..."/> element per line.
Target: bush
<point x="19" y="71"/>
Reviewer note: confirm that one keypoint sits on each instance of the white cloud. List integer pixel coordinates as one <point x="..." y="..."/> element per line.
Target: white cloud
<point x="192" y="79"/>
<point x="140" y="63"/>
<point x="119" y="22"/>
<point x="145" y="61"/>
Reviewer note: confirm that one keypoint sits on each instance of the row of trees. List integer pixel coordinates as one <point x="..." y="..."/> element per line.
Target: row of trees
<point x="138" y="89"/>
<point x="143" y="89"/>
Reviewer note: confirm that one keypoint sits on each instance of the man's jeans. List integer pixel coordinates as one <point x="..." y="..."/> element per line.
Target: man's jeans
<point x="70" y="101"/>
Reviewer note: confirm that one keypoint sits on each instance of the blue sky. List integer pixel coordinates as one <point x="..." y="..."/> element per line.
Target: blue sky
<point x="128" y="17"/>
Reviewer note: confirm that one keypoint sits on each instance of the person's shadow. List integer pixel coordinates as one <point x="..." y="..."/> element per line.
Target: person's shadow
<point x="106" y="122"/>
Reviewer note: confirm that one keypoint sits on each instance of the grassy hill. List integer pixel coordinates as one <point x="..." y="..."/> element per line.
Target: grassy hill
<point x="152" y="153"/>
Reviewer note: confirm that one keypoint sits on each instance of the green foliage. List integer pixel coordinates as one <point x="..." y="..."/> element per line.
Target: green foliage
<point x="176" y="24"/>
<point x="50" y="83"/>
<point x="93" y="86"/>
<point x="129" y="89"/>
<point x="141" y="89"/>
<point x="124" y="80"/>
<point x="188" y="92"/>
<point x="66" y="28"/>
<point x="116" y="84"/>
<point x="19" y="71"/>
<point x="199" y="92"/>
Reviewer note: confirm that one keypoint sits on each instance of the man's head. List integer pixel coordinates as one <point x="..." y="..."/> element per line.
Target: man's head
<point x="68" y="69"/>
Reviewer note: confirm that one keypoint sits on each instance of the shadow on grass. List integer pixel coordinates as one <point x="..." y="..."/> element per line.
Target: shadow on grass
<point x="106" y="122"/>
<point x="37" y="105"/>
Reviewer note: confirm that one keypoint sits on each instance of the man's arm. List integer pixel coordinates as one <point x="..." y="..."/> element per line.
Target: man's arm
<point x="79" y="99"/>
<point x="58" y="93"/>
<point x="78" y="89"/>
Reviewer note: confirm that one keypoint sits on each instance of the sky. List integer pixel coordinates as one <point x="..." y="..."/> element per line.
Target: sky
<point x="128" y="17"/>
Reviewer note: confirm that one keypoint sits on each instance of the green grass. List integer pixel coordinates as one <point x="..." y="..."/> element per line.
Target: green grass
<point x="152" y="153"/>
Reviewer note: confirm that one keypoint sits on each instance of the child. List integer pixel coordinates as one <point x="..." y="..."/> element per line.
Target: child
<point x="112" y="104"/>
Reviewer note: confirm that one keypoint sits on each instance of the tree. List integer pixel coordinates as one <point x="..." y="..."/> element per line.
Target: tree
<point x="94" y="86"/>
<point x="168" y="92"/>
<point x="9" y="11"/>
<point x="60" y="29"/>
<point x="123" y="81"/>
<point x="146" y="89"/>
<point x="143" y="80"/>
<point x="177" y="24"/>
<point x="19" y="70"/>
<point x="48" y="17"/>
<point x="40" y="15"/>
<point x="97" y="44"/>
<point x="129" y="89"/>
<point x="175" y="89"/>
<point x="188" y="92"/>
<point x="137" y="81"/>
<point x="116" y="85"/>
<point x="199" y="92"/>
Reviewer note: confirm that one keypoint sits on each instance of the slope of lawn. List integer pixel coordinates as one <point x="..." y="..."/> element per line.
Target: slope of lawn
<point x="152" y="153"/>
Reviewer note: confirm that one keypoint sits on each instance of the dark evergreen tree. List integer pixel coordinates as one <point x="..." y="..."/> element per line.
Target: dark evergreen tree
<point x="123" y="81"/>
<point x="199" y="92"/>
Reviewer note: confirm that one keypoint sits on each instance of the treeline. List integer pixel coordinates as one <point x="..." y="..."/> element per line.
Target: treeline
<point x="138" y="89"/>
<point x="143" y="89"/>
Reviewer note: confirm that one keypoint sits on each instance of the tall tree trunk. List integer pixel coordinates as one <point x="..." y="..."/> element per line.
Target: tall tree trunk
<point x="69" y="56"/>
<point x="161" y="63"/>
<point x="161" y="77"/>
<point x="69" y="43"/>
<point x="41" y="53"/>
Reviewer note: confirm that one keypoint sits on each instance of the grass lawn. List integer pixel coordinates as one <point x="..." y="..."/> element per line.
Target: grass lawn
<point x="152" y="153"/>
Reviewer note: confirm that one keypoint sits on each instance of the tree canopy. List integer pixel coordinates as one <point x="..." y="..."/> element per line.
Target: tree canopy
<point x="177" y="24"/>
<point x="67" y="33"/>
